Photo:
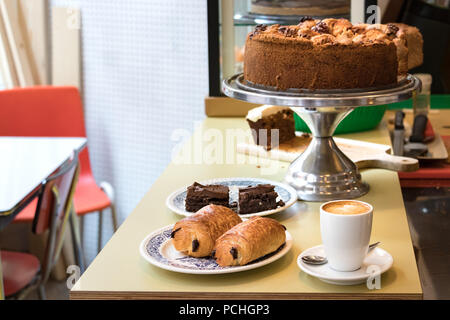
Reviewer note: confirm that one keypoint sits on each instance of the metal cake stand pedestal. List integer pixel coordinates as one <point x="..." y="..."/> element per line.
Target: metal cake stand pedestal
<point x="323" y="172"/>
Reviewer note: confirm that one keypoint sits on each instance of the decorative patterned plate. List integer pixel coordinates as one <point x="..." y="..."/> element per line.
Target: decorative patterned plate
<point x="176" y="201"/>
<point x="157" y="249"/>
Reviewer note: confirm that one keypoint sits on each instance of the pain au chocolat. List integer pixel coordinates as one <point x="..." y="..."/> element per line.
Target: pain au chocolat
<point x="195" y="235"/>
<point x="248" y="241"/>
<point x="330" y="54"/>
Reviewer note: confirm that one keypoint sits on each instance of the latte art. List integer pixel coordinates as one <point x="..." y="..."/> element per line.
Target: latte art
<point x="346" y="207"/>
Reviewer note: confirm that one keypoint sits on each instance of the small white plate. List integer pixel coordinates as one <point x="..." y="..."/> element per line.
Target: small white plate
<point x="157" y="249"/>
<point x="176" y="201"/>
<point x="376" y="262"/>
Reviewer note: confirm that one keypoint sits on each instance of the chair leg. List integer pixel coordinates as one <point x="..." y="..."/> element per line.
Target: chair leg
<point x="109" y="190"/>
<point x="100" y="231"/>
<point x="114" y="217"/>
<point x="41" y="292"/>
<point x="81" y="227"/>
<point x="78" y="252"/>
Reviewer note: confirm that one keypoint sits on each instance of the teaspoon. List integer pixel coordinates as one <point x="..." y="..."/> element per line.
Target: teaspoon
<point x="313" y="259"/>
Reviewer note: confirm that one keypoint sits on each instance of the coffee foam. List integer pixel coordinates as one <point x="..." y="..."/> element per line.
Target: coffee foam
<point x="346" y="207"/>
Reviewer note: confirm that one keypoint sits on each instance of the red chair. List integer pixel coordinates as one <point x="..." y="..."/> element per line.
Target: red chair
<point x="55" y="112"/>
<point x="22" y="272"/>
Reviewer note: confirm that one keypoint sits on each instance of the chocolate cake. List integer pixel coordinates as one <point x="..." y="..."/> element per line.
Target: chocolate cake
<point x="199" y="196"/>
<point x="258" y="198"/>
<point x="330" y="54"/>
<point x="265" y="119"/>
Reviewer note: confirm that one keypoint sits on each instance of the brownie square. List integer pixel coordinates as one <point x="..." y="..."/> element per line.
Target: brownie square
<point x="199" y="196"/>
<point x="258" y="198"/>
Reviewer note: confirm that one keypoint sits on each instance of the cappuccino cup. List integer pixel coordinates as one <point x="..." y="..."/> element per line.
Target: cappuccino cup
<point x="345" y="227"/>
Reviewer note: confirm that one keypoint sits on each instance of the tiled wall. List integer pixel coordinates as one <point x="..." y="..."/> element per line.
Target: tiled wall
<point x="145" y="74"/>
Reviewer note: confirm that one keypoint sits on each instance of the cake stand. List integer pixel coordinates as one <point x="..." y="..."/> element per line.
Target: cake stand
<point x="322" y="172"/>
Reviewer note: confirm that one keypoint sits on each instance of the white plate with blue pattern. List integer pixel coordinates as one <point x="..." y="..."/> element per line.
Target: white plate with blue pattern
<point x="176" y="201"/>
<point x="157" y="248"/>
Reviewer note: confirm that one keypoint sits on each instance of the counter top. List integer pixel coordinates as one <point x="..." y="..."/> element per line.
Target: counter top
<point x="119" y="272"/>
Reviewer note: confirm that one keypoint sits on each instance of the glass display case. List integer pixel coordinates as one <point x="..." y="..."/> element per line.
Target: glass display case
<point x="230" y="21"/>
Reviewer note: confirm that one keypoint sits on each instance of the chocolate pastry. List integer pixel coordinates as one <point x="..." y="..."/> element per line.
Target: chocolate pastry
<point x="258" y="198"/>
<point x="196" y="234"/>
<point x="199" y="196"/>
<point x="248" y="241"/>
<point x="266" y="119"/>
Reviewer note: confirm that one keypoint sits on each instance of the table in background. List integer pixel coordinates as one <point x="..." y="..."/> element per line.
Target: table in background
<point x="119" y="272"/>
<point x="25" y="163"/>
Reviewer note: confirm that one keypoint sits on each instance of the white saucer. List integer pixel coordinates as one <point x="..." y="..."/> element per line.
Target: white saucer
<point x="377" y="262"/>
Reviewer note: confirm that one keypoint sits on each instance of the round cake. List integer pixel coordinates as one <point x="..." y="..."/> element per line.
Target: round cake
<point x="325" y="54"/>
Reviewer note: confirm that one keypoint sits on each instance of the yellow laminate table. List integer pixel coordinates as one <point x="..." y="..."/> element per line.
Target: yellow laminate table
<point x="119" y="272"/>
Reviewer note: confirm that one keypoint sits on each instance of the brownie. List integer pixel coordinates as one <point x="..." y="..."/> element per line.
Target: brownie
<point x="258" y="198"/>
<point x="263" y="120"/>
<point x="199" y="196"/>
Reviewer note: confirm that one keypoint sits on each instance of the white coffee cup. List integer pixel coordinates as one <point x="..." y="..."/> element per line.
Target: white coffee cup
<point x="346" y="235"/>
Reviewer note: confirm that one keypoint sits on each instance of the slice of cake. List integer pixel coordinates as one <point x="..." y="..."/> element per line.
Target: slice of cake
<point x="413" y="42"/>
<point x="199" y="196"/>
<point x="258" y="198"/>
<point x="265" y="119"/>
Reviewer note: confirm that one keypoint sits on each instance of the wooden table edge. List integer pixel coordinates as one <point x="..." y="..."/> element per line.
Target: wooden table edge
<point x="129" y="295"/>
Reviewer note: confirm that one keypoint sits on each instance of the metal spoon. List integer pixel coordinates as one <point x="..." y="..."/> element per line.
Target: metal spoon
<point x="317" y="260"/>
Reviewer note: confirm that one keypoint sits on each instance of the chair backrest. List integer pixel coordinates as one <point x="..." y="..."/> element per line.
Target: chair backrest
<point x="44" y="111"/>
<point x="53" y="210"/>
